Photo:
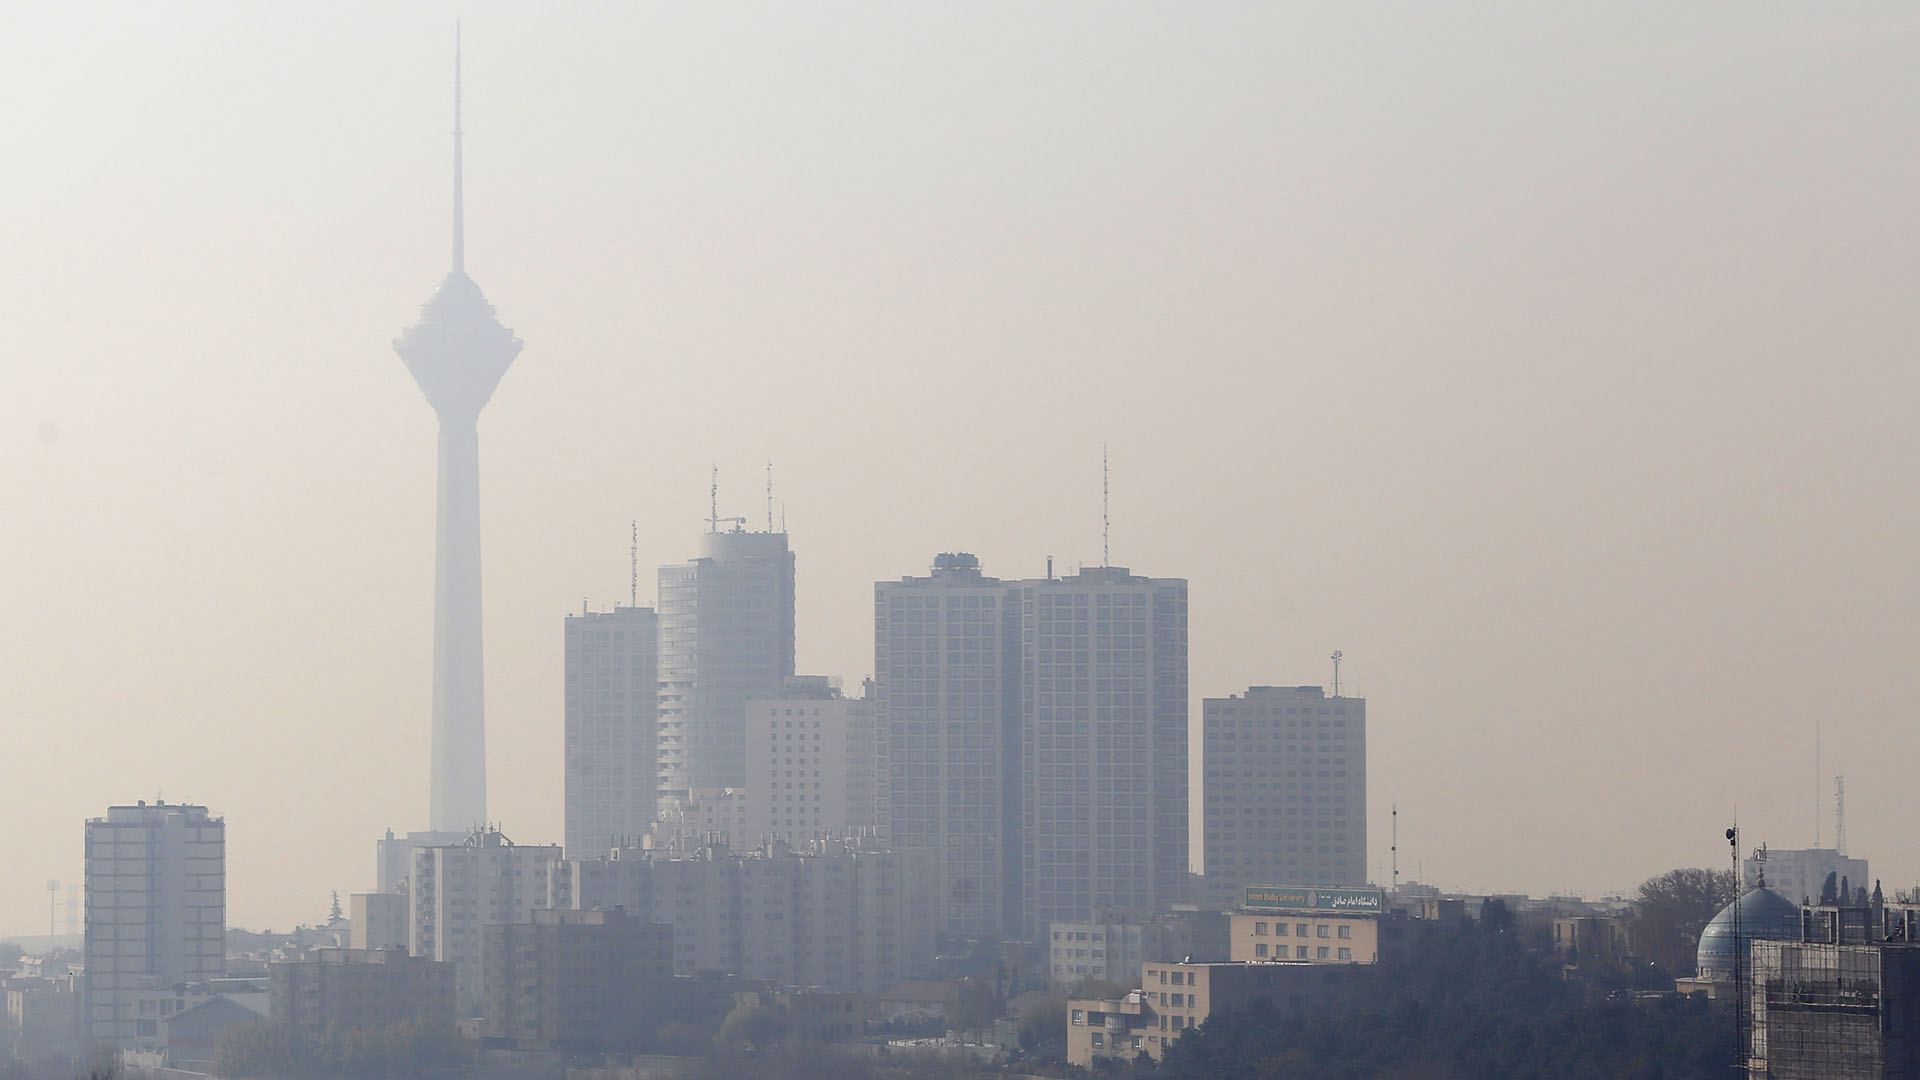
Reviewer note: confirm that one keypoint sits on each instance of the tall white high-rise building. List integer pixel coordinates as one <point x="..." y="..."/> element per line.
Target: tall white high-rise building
<point x="945" y="661"/>
<point x="156" y="894"/>
<point x="1036" y="738"/>
<point x="1103" y="726"/>
<point x="1285" y="782"/>
<point x="726" y="635"/>
<point x="811" y="763"/>
<point x="457" y="889"/>
<point x="612" y="752"/>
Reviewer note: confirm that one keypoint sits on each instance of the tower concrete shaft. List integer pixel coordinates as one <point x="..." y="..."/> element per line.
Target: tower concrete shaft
<point x="457" y="352"/>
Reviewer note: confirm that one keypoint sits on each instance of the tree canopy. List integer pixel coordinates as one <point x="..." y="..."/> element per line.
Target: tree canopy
<point x="1472" y="1001"/>
<point x="1670" y="911"/>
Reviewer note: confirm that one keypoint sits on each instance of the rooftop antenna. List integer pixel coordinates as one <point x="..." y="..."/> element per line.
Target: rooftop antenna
<point x="1394" y="849"/>
<point x="1741" y="1051"/>
<point x="1817" y="774"/>
<point x="1106" y="520"/>
<point x="633" y="567"/>
<point x="769" y="494"/>
<point x="459" y="214"/>
<point x="713" y="507"/>
<point x="1337" y="656"/>
<point x="1840" y="814"/>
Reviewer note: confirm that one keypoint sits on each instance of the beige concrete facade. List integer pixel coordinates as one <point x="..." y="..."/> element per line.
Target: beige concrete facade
<point x="1304" y="937"/>
<point x="811" y="764"/>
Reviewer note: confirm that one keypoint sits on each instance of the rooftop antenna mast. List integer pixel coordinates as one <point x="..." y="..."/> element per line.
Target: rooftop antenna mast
<point x="633" y="567"/>
<point x="1840" y="814"/>
<point x="1337" y="657"/>
<point x="1394" y="849"/>
<point x="1106" y="519"/>
<point x="713" y="507"/>
<point x="769" y="494"/>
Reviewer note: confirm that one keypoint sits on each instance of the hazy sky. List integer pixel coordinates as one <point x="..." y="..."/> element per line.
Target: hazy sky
<point x="1552" y="361"/>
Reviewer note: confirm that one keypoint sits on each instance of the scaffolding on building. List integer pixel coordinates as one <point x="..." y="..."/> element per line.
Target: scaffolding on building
<point x="1829" y="1011"/>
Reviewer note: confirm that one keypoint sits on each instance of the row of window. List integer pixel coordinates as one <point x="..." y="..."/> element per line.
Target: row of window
<point x="1300" y="930"/>
<point x="1300" y="952"/>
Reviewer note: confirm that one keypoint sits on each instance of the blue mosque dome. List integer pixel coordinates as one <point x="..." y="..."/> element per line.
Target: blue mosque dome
<point x="1765" y="915"/>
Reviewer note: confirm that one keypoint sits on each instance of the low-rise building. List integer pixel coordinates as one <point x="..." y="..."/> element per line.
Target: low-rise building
<point x="1311" y="925"/>
<point x="192" y="1032"/>
<point x="1316" y="938"/>
<point x="581" y="981"/>
<point x="1590" y="940"/>
<point x="360" y="988"/>
<point x="817" y="1016"/>
<point x="1176" y="998"/>
<point x="1113" y="949"/>
<point x="43" y="1017"/>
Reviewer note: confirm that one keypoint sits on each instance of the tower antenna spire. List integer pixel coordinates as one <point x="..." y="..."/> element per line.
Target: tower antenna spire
<point x="713" y="501"/>
<point x="459" y="209"/>
<point x="769" y="494"/>
<point x="633" y="567"/>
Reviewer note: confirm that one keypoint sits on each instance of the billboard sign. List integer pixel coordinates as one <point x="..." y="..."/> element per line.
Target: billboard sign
<point x="1290" y="898"/>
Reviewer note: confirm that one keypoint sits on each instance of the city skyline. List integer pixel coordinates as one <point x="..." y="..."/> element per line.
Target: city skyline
<point x="1576" y="415"/>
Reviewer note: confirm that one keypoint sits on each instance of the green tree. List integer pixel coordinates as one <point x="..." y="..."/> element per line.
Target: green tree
<point x="1042" y="1022"/>
<point x="977" y="1008"/>
<point x="1670" y="911"/>
<point x="1092" y="989"/>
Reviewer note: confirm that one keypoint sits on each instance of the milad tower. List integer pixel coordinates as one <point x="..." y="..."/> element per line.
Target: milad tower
<point x="457" y="352"/>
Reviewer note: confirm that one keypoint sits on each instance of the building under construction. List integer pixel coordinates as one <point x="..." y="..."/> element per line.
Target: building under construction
<point x="1841" y="1003"/>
